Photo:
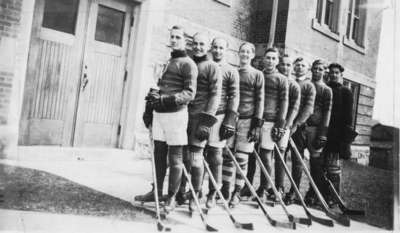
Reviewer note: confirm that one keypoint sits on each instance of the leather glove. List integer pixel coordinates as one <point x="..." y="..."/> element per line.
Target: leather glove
<point x="255" y="130"/>
<point x="228" y="125"/>
<point x="278" y="131"/>
<point x="148" y="115"/>
<point x="153" y="97"/>
<point x="206" y="121"/>
<point x="319" y="142"/>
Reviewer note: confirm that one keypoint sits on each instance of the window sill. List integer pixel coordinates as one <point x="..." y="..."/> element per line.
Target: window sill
<point x="351" y="44"/>
<point x="225" y="2"/>
<point x="324" y="30"/>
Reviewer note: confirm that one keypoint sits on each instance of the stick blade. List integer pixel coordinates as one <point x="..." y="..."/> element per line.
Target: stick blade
<point x="161" y="227"/>
<point x="304" y="221"/>
<point x="289" y="225"/>
<point x="340" y="218"/>
<point x="322" y="221"/>
<point x="354" y="212"/>
<point x="246" y="226"/>
<point x="210" y="228"/>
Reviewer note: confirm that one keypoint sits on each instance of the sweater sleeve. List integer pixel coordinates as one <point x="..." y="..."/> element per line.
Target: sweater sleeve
<point x="326" y="107"/>
<point x="259" y="95"/>
<point x="306" y="104"/>
<point x="233" y="91"/>
<point x="189" y="73"/>
<point x="283" y="99"/>
<point x="294" y="104"/>
<point x="347" y="98"/>
<point x="214" y="89"/>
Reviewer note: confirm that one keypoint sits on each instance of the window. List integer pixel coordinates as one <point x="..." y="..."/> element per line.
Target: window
<point x="355" y="89"/>
<point x="356" y="16"/>
<point x="60" y="15"/>
<point x="328" y="14"/>
<point x="110" y="25"/>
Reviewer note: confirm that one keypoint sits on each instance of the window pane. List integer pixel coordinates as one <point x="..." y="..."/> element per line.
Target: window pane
<point x="60" y="15"/>
<point x="319" y="11"/>
<point x="357" y="8"/>
<point x="356" y="25"/>
<point x="328" y="12"/>
<point x="348" y="25"/>
<point x="110" y="25"/>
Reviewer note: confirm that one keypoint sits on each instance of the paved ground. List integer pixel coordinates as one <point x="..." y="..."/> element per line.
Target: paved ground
<point x="92" y="190"/>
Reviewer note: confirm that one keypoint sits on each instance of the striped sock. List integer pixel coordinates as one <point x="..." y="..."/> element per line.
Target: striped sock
<point x="242" y="159"/>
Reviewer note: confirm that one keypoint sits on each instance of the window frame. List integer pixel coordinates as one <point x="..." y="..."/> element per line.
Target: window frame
<point x="318" y="22"/>
<point x="356" y="95"/>
<point x="348" y="39"/>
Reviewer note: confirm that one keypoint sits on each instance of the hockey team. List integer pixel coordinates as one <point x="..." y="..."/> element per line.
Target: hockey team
<point x="204" y="108"/>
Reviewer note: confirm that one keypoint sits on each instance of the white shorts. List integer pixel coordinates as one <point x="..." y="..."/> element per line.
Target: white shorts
<point x="266" y="141"/>
<point x="214" y="139"/>
<point x="239" y="141"/>
<point x="170" y="127"/>
<point x="283" y="143"/>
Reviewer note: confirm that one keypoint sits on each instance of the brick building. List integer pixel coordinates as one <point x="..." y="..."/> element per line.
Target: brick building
<point x="75" y="72"/>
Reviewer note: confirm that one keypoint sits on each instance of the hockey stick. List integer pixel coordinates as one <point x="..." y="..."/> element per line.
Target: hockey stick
<point x="326" y="222"/>
<point x="340" y="218"/>
<point x="246" y="226"/>
<point x="305" y="221"/>
<point x="340" y="201"/>
<point x="273" y="222"/>
<point x="160" y="225"/>
<point x="196" y="200"/>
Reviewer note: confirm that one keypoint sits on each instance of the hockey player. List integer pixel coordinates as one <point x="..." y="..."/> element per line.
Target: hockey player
<point x="170" y="117"/>
<point x="251" y="107"/>
<point x="341" y="133"/>
<point x="307" y="91"/>
<point x="202" y="112"/>
<point x="226" y="115"/>
<point x="317" y="128"/>
<point x="275" y="110"/>
<point x="285" y="67"/>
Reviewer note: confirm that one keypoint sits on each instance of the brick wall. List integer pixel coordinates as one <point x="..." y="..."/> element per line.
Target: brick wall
<point x="10" y="16"/>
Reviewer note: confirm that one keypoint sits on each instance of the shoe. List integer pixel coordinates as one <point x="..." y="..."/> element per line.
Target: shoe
<point x="280" y="193"/>
<point x="169" y="204"/>
<point x="148" y="197"/>
<point x="290" y="198"/>
<point x="235" y="199"/>
<point x="270" y="194"/>
<point x="210" y="203"/>
<point x="245" y="192"/>
<point x="261" y="194"/>
<point x="182" y="197"/>
<point x="310" y="199"/>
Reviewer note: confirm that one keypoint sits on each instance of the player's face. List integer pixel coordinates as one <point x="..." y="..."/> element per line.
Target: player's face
<point x="271" y="60"/>
<point x="200" y="45"/>
<point x="177" y="40"/>
<point x="318" y="72"/>
<point x="300" y="68"/>
<point x="218" y="49"/>
<point x="335" y="75"/>
<point x="285" y="66"/>
<point x="246" y="54"/>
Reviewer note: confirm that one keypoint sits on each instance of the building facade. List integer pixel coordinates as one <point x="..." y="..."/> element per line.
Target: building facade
<point x="76" y="72"/>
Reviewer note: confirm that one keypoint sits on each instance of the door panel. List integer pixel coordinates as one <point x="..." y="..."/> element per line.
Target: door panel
<point x="53" y="71"/>
<point x="101" y="94"/>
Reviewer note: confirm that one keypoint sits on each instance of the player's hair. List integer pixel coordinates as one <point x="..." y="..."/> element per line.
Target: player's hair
<point x="273" y="50"/>
<point x="319" y="62"/>
<point x="252" y="47"/>
<point x="336" y="65"/>
<point x="220" y="38"/>
<point x="178" y="27"/>
<point x="283" y="56"/>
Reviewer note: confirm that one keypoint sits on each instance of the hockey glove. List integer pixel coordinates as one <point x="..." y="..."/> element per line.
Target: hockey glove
<point x="255" y="130"/>
<point x="228" y="129"/>
<point x="345" y="150"/>
<point x="278" y="131"/>
<point x="148" y="115"/>
<point x="206" y="121"/>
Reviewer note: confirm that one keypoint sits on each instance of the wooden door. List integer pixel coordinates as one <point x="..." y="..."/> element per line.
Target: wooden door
<point x="53" y="72"/>
<point x="104" y="67"/>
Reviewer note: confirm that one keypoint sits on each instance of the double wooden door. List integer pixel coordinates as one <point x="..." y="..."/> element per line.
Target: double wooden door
<point x="76" y="73"/>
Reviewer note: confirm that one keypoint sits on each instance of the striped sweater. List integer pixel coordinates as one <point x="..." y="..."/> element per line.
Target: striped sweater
<point x="294" y="102"/>
<point x="307" y="100"/>
<point x="322" y="106"/>
<point x="230" y="88"/>
<point x="251" y="93"/>
<point x="276" y="96"/>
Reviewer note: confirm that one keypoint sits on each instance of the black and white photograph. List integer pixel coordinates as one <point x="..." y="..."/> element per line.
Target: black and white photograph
<point x="199" y="116"/>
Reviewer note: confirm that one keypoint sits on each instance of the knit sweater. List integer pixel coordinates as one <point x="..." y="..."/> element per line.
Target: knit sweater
<point x="294" y="102"/>
<point x="179" y="79"/>
<point x="209" y="85"/>
<point x="230" y="88"/>
<point x="307" y="100"/>
<point x="251" y="93"/>
<point x="276" y="96"/>
<point x="322" y="106"/>
<point x="341" y="116"/>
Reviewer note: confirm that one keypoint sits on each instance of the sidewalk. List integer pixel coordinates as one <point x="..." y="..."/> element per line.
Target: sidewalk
<point x="90" y="190"/>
